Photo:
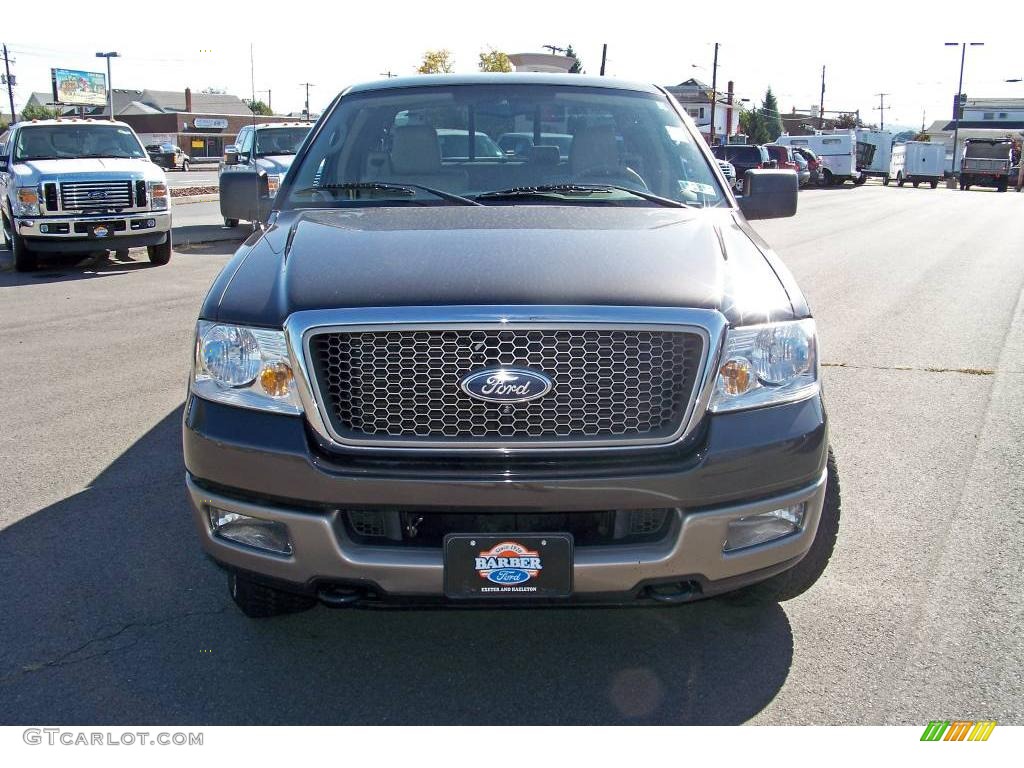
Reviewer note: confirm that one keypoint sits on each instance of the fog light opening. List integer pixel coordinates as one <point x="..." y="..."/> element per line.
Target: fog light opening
<point x="761" y="528"/>
<point x="253" y="532"/>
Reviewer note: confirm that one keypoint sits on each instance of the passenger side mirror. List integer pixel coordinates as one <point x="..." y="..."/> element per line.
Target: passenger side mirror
<point x="231" y="155"/>
<point x="3" y="165"/>
<point x="769" y="194"/>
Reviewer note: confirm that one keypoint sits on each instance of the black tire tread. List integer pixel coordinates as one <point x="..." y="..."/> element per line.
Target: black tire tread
<point x="258" y="601"/>
<point x="803" y="575"/>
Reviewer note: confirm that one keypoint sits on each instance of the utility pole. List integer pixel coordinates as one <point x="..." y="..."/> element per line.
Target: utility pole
<point x="308" y="86"/>
<point x="270" y="106"/>
<point x="714" y="95"/>
<point x="881" y="109"/>
<point x="821" y="104"/>
<point x="554" y="49"/>
<point x="110" y="91"/>
<point x="959" y="105"/>
<point x="389" y="74"/>
<point x="10" y="82"/>
<point x="604" y="57"/>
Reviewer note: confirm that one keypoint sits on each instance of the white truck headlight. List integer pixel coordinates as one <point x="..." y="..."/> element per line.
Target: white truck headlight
<point x="26" y="202"/>
<point x="767" y="365"/>
<point x="247" y="367"/>
<point x="157" y="195"/>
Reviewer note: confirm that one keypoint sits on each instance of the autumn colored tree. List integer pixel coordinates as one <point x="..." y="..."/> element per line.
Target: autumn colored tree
<point x="495" y="61"/>
<point x="437" y="62"/>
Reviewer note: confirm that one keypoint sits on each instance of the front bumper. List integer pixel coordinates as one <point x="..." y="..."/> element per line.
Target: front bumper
<point x="57" y="234"/>
<point x="266" y="466"/>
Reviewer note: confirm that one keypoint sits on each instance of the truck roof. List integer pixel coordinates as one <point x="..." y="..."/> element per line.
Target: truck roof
<point x="72" y="120"/>
<point x="504" y="78"/>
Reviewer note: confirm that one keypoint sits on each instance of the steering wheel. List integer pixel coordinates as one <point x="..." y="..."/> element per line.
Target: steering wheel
<point x="612" y="172"/>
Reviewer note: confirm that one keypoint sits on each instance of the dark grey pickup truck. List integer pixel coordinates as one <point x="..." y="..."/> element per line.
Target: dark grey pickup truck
<point x="543" y="378"/>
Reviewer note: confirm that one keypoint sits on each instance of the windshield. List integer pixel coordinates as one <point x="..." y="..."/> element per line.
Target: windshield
<point x="279" y="141"/>
<point x="625" y="147"/>
<point x="56" y="142"/>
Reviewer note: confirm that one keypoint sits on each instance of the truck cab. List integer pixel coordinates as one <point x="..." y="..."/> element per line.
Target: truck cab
<point x="266" y="152"/>
<point x="80" y="186"/>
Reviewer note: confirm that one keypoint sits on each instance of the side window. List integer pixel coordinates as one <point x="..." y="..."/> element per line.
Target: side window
<point x="245" y="141"/>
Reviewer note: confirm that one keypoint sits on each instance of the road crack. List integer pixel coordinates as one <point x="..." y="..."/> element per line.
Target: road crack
<point x="927" y="369"/>
<point x="69" y="657"/>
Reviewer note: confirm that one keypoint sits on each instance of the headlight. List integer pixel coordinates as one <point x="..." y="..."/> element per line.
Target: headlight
<point x="248" y="367"/>
<point x="767" y="365"/>
<point x="157" y="195"/>
<point x="26" y="202"/>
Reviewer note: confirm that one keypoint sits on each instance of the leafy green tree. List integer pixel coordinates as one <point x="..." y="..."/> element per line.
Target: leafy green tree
<point x="258" y="107"/>
<point x="577" y="64"/>
<point x="771" y="120"/>
<point x="495" y="61"/>
<point x="753" y="124"/>
<point x="847" y="120"/>
<point x="922" y="136"/>
<point x="38" y="112"/>
<point x="437" y="62"/>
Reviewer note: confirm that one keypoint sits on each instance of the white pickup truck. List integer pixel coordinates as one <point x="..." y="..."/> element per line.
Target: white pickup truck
<point x="80" y="186"/>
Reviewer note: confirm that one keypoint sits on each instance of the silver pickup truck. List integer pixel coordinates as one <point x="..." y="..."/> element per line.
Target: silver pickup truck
<point x="80" y="186"/>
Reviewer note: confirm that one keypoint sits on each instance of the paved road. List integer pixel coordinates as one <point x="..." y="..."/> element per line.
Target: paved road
<point x="197" y="177"/>
<point x="109" y="608"/>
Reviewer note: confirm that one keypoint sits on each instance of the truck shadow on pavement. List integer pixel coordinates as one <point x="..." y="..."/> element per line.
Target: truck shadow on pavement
<point x="113" y="615"/>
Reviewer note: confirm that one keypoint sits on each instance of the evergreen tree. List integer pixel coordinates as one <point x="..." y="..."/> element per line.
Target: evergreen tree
<point x="771" y="120"/>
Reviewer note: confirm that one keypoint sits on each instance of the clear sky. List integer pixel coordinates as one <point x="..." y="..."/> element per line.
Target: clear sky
<point x="866" y="47"/>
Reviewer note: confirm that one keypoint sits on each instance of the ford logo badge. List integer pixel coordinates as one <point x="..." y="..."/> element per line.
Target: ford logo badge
<point x="506" y="385"/>
<point x="508" y="576"/>
<point x="98" y="195"/>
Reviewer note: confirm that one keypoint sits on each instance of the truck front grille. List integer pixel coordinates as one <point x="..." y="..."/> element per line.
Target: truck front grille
<point x="82" y="195"/>
<point x="609" y="385"/>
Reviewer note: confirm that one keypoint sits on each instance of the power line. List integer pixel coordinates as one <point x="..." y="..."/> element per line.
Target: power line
<point x="881" y="109"/>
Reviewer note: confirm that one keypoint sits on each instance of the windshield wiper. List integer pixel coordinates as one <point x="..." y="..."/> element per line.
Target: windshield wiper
<point x="379" y="186"/>
<point x="544" y="190"/>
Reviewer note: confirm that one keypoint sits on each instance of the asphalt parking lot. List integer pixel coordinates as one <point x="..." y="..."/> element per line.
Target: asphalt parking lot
<point x="111" y="614"/>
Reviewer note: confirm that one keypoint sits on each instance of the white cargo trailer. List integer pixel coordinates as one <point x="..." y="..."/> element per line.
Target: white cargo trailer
<point x="882" y="141"/>
<point x="838" y="153"/>
<point x="918" y="162"/>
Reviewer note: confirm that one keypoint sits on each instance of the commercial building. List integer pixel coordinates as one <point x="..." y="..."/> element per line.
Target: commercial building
<point x="695" y="97"/>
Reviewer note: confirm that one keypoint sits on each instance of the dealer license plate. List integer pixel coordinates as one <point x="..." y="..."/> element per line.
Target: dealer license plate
<point x="508" y="566"/>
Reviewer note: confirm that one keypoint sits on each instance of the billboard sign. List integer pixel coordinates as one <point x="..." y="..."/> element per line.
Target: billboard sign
<point x="72" y="86"/>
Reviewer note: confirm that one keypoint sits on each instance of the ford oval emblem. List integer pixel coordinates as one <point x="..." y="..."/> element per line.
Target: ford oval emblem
<point x="98" y="194"/>
<point x="506" y="385"/>
<point x="508" y="576"/>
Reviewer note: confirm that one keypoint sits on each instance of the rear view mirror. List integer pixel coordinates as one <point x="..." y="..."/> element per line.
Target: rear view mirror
<point x="769" y="194"/>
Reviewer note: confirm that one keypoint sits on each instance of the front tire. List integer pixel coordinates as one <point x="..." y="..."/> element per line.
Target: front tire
<point x="230" y="223"/>
<point x="184" y="165"/>
<point x="160" y="254"/>
<point x="803" y="575"/>
<point x="258" y="601"/>
<point x="24" y="259"/>
<point x="860" y="180"/>
<point x="934" y="184"/>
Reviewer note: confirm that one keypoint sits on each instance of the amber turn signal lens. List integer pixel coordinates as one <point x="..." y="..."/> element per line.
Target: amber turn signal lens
<point x="276" y="379"/>
<point x="737" y="376"/>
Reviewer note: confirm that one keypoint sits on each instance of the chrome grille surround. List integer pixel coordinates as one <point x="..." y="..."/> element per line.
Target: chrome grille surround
<point x="84" y="195"/>
<point x="649" y="324"/>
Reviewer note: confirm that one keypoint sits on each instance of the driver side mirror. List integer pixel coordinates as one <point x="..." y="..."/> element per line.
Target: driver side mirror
<point x="231" y="155"/>
<point x="769" y="194"/>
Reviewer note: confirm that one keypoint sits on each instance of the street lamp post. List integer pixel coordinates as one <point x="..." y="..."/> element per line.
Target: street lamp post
<point x="110" y="91"/>
<point x="959" y="106"/>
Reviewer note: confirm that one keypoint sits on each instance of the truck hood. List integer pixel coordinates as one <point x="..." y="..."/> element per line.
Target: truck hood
<point x="501" y="255"/>
<point x="80" y="169"/>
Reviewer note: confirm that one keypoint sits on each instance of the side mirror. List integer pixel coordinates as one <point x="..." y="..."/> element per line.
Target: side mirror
<point x="3" y="165"/>
<point x="231" y="155"/>
<point x="769" y="194"/>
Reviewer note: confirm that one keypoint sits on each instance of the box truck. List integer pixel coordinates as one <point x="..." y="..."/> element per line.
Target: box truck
<point x="838" y="151"/>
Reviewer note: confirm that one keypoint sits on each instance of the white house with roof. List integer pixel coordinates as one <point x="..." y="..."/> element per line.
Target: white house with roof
<point x="695" y="97"/>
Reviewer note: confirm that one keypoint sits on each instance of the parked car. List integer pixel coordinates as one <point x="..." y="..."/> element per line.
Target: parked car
<point x="917" y="162"/>
<point x="803" y="171"/>
<point x="169" y="156"/>
<point x="814" y="164"/>
<point x="744" y="157"/>
<point x="263" y="152"/>
<point x="729" y="171"/>
<point x="80" y="186"/>
<point x="475" y="382"/>
<point x="782" y="156"/>
<point x="519" y="143"/>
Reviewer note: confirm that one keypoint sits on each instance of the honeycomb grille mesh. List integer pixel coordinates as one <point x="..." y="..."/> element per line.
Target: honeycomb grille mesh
<point x="608" y="384"/>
